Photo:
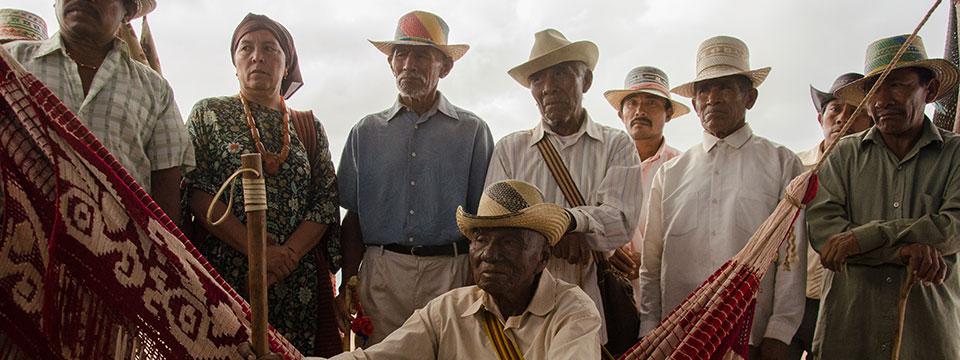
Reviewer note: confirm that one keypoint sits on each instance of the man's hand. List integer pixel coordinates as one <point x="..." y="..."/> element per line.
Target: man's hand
<point x="343" y="315"/>
<point x="627" y="262"/>
<point x="838" y="247"/>
<point x="281" y="262"/>
<point x="246" y="352"/>
<point x="926" y="263"/>
<point x="770" y="349"/>
<point x="573" y="247"/>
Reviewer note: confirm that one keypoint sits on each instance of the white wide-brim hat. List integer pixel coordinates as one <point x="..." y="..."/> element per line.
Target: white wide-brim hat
<point x="721" y="56"/>
<point x="550" y="47"/>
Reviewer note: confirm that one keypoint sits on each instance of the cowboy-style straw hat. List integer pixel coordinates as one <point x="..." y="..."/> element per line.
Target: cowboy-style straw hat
<point x="143" y="7"/>
<point x="645" y="79"/>
<point x="878" y="56"/>
<point x="821" y="99"/>
<point x="515" y="203"/>
<point x="550" y="47"/>
<point x="18" y="24"/>
<point x="422" y="28"/>
<point x="721" y="56"/>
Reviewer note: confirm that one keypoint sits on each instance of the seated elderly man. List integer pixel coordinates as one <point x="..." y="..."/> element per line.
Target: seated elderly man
<point x="517" y="306"/>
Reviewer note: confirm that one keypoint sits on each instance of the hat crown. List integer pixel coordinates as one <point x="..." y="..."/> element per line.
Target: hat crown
<point x="843" y="80"/>
<point x="546" y="41"/>
<point x="422" y="26"/>
<point x="879" y="53"/>
<point x="508" y="197"/>
<point x="722" y="54"/>
<point x="649" y="78"/>
<point x="18" y="24"/>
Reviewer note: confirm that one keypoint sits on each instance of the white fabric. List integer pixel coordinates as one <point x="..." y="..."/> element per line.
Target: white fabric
<point x="704" y="206"/>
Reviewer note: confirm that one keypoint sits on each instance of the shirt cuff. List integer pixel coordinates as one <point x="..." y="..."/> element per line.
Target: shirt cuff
<point x="868" y="237"/>
<point x="780" y="330"/>
<point x="581" y="219"/>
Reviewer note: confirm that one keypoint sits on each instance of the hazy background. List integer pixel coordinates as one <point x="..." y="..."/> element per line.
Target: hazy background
<point x="805" y="41"/>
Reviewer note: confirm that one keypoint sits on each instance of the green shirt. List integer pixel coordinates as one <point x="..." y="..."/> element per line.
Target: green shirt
<point x="888" y="203"/>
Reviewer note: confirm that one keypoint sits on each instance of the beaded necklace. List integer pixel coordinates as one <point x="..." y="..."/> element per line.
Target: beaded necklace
<point x="271" y="162"/>
<point x="85" y="66"/>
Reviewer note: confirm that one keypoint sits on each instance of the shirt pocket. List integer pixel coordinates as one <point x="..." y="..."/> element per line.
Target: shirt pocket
<point x="752" y="210"/>
<point x="682" y="215"/>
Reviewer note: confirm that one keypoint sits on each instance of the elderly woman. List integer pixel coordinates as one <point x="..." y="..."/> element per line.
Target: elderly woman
<point x="300" y="180"/>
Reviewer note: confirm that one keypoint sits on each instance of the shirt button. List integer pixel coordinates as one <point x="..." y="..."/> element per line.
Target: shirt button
<point x="412" y="183"/>
<point x="896" y="204"/>
<point x="411" y="239"/>
<point x="413" y="154"/>
<point x="883" y="347"/>
<point x="889" y="279"/>
<point x="714" y="201"/>
<point x="716" y="172"/>
<point x="411" y="212"/>
<point x="416" y="126"/>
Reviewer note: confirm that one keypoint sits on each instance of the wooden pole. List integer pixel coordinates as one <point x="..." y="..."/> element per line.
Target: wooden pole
<point x="256" y="253"/>
<point x="901" y="312"/>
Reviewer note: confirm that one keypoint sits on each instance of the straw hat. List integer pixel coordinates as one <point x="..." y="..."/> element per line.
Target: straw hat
<point x="550" y="47"/>
<point x="18" y="24"/>
<point x="645" y="79"/>
<point x="422" y="28"/>
<point x="821" y="99"/>
<point x="144" y="7"/>
<point x="721" y="56"/>
<point x="515" y="203"/>
<point x="878" y="56"/>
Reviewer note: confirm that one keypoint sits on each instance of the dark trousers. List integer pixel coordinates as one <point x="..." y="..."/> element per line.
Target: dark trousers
<point x="803" y="339"/>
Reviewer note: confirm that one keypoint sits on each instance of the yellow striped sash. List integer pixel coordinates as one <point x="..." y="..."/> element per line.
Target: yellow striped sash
<point x="506" y="349"/>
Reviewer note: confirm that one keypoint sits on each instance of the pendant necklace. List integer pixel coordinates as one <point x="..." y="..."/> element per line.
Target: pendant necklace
<point x="271" y="162"/>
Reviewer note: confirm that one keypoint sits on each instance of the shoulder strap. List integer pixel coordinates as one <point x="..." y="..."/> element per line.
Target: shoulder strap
<point x="506" y="349"/>
<point x="306" y="130"/>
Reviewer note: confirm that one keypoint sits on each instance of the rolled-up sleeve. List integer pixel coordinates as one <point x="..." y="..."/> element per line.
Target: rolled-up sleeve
<point x="609" y="223"/>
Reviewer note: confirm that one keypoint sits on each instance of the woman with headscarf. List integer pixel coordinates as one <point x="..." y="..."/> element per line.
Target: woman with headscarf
<point x="301" y="186"/>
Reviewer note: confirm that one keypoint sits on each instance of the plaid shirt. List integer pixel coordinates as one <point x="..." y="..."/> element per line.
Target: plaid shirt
<point x="129" y="107"/>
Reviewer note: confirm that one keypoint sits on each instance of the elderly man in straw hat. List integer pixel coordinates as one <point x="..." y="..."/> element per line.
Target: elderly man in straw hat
<point x="510" y="240"/>
<point x="889" y="205"/>
<point x="832" y="113"/>
<point x="401" y="170"/>
<point x="602" y="161"/>
<point x="124" y="103"/>
<point x="644" y="106"/>
<point x="706" y="203"/>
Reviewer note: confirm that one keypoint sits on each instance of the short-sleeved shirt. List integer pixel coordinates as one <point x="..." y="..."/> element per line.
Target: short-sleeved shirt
<point x="405" y="174"/>
<point x="129" y="107"/>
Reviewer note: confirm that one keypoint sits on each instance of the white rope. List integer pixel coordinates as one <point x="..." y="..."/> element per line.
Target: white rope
<point x="257" y="194"/>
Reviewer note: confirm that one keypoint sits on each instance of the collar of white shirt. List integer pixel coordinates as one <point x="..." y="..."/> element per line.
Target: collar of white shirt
<point x="588" y="126"/>
<point x="737" y="139"/>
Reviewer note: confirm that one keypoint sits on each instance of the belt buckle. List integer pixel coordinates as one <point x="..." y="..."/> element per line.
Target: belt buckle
<point x="413" y="249"/>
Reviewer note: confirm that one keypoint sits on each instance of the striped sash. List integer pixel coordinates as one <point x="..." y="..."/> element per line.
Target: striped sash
<point x="506" y="349"/>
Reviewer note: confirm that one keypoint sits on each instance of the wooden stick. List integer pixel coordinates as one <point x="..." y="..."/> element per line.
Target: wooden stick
<point x="902" y="310"/>
<point x="257" y="258"/>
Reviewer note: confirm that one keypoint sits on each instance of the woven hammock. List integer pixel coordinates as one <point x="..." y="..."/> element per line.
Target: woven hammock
<point x="90" y="267"/>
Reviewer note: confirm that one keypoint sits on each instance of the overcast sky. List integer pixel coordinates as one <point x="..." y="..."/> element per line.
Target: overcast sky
<point x="805" y="41"/>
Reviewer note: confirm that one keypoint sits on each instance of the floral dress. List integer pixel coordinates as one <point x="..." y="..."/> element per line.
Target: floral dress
<point x="296" y="193"/>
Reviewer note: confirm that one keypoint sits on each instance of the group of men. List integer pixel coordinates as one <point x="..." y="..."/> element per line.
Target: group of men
<point x="533" y="210"/>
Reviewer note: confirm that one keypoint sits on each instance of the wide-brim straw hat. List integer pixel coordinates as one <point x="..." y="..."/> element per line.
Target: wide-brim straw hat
<point x="721" y="56"/>
<point x="821" y="98"/>
<point x="878" y="57"/>
<point x="550" y="47"/>
<point x="645" y="79"/>
<point x="16" y="24"/>
<point x="517" y="204"/>
<point x="421" y="28"/>
<point x="144" y="7"/>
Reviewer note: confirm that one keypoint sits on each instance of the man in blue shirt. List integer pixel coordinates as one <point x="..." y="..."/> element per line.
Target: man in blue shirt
<point x="401" y="172"/>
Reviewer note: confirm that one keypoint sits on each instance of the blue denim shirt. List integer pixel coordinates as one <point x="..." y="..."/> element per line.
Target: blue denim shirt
<point x="405" y="175"/>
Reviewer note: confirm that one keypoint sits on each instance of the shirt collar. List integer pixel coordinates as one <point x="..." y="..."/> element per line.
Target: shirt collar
<point x="928" y="135"/>
<point x="541" y="304"/>
<point x="588" y="127"/>
<point x="442" y="105"/>
<point x="55" y="43"/>
<point x="661" y="152"/>
<point x="737" y="139"/>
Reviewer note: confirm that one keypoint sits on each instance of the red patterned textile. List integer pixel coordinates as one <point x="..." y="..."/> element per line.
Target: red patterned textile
<point x="90" y="267"/>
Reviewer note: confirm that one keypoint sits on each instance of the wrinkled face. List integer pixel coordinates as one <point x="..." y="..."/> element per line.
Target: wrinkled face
<point x="506" y="260"/>
<point x="558" y="91"/>
<point x="644" y="114"/>
<point x="418" y="69"/>
<point x="836" y="114"/>
<point x="897" y="106"/>
<point x="722" y="104"/>
<point x="260" y="62"/>
<point x="92" y="18"/>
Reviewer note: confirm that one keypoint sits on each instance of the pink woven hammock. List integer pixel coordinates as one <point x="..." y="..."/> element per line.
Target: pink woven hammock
<point x="90" y="268"/>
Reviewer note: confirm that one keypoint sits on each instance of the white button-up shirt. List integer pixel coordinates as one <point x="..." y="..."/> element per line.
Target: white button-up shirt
<point x="704" y="206"/>
<point x="604" y="164"/>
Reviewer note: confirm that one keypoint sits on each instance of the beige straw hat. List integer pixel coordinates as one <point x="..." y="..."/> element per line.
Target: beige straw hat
<point x="645" y="79"/>
<point x="721" y="56"/>
<point x="515" y="203"/>
<point x="550" y="47"/>
<point x="144" y="7"/>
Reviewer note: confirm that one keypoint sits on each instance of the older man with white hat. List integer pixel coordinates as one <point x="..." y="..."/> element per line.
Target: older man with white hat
<point x="124" y="103"/>
<point x="598" y="163"/>
<point x="706" y="203"/>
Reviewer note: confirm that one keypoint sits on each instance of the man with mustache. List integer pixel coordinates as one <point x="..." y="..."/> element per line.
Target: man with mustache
<point x="644" y="106"/>
<point x="833" y="114"/>
<point x="888" y="206"/>
<point x="602" y="161"/>
<point x="706" y="203"/>
<point x="401" y="170"/>
<point x="125" y="104"/>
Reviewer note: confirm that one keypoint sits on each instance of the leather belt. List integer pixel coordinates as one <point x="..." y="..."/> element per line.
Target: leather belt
<point x="460" y="247"/>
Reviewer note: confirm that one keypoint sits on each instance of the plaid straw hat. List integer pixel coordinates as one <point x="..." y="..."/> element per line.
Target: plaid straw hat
<point x="18" y="24"/>
<point x="645" y="79"/>
<point x="550" y="47"/>
<point x="878" y="56"/>
<point x="821" y="99"/>
<point x="422" y="28"/>
<point x="515" y="203"/>
<point x="721" y="56"/>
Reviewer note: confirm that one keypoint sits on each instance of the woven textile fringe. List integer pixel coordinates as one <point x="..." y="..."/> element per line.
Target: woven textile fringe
<point x="90" y="267"/>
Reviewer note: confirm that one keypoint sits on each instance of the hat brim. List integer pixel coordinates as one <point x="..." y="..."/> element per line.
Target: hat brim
<point x="550" y="220"/>
<point x="145" y="7"/>
<point x="820" y="98"/>
<point x="583" y="50"/>
<point x="455" y="52"/>
<point x="756" y="76"/>
<point x="615" y="98"/>
<point x="853" y="93"/>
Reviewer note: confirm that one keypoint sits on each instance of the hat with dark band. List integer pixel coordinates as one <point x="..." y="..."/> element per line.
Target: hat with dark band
<point x="515" y="203"/>
<point x="821" y="99"/>
<point x="423" y="29"/>
<point x="722" y="56"/>
<point x="645" y="79"/>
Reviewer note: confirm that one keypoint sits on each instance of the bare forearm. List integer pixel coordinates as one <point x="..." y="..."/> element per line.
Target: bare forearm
<point x="305" y="237"/>
<point x="165" y="191"/>
<point x="231" y="231"/>
<point x="352" y="240"/>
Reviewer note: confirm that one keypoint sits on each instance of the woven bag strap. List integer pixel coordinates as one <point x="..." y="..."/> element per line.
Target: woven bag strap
<point x="506" y="349"/>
